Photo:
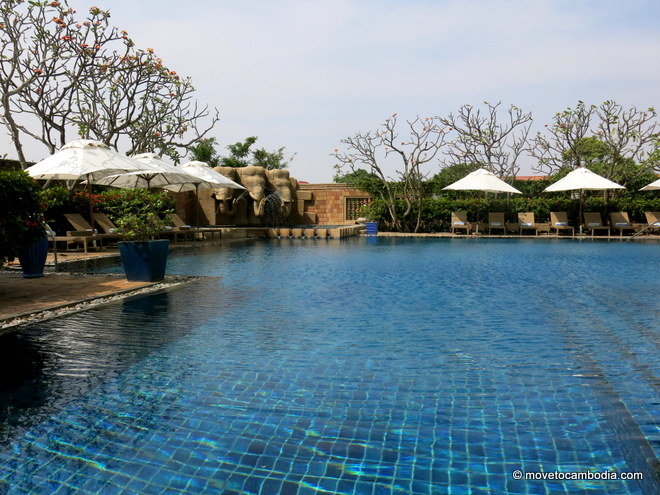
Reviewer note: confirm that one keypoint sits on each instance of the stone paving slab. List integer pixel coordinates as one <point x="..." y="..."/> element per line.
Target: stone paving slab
<point x="20" y="295"/>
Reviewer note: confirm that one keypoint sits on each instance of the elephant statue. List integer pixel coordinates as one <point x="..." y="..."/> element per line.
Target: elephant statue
<point x="254" y="180"/>
<point x="226" y="196"/>
<point x="280" y="181"/>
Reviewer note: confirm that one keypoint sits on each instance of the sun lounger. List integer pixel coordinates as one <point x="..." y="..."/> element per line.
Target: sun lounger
<point x="459" y="222"/>
<point x="180" y="225"/>
<point x="593" y="222"/>
<point x="73" y="238"/>
<point x="78" y="222"/>
<point x="496" y="222"/>
<point x="620" y="221"/>
<point x="652" y="221"/>
<point x="110" y="228"/>
<point x="83" y="228"/>
<point x="105" y="223"/>
<point x="559" y="222"/>
<point x="526" y="222"/>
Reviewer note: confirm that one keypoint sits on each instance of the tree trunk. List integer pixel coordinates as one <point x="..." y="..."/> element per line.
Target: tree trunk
<point x="14" y="132"/>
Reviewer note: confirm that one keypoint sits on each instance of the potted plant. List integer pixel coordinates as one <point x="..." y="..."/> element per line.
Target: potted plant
<point x="22" y="229"/>
<point x="143" y="255"/>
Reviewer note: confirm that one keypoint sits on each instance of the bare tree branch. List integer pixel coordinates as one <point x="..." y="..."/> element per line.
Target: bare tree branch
<point x="424" y="141"/>
<point x="563" y="139"/>
<point x="629" y="134"/>
<point x="485" y="138"/>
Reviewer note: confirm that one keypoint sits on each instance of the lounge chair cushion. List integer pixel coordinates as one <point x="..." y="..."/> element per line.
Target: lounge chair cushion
<point x="459" y="223"/>
<point x="593" y="224"/>
<point x="527" y="224"/>
<point x="561" y="224"/>
<point x="621" y="224"/>
<point x="496" y="224"/>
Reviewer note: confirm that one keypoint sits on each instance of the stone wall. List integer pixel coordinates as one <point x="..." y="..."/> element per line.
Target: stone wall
<point x="321" y="204"/>
<point x="332" y="203"/>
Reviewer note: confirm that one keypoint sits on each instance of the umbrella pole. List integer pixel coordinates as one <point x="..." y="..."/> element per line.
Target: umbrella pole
<point x="581" y="214"/>
<point x="197" y="205"/>
<point x="91" y="206"/>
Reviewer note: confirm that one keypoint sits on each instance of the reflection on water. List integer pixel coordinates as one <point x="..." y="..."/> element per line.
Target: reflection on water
<point x="354" y="366"/>
<point x="47" y="365"/>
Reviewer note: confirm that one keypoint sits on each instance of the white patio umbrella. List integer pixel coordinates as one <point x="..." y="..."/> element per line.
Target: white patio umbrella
<point x="208" y="178"/>
<point x="653" y="186"/>
<point x="582" y="179"/>
<point x="482" y="180"/>
<point x="157" y="174"/>
<point x="83" y="159"/>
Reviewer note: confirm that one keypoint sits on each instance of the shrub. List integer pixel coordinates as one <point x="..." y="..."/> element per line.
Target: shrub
<point x="116" y="203"/>
<point x="21" y="218"/>
<point x="140" y="228"/>
<point x="436" y="212"/>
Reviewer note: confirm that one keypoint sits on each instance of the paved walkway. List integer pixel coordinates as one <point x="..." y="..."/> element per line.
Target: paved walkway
<point x="647" y="237"/>
<point x="20" y="295"/>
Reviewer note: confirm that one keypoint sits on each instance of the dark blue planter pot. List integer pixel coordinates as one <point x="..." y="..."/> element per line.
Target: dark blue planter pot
<point x="33" y="259"/>
<point x="144" y="261"/>
<point x="372" y="228"/>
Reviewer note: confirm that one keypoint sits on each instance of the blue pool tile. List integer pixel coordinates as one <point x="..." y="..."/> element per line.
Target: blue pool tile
<point x="390" y="387"/>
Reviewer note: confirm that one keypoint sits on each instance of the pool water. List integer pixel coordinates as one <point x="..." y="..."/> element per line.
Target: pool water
<point x="361" y="366"/>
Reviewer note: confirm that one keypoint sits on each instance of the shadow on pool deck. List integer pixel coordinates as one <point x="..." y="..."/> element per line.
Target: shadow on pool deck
<point x="20" y="295"/>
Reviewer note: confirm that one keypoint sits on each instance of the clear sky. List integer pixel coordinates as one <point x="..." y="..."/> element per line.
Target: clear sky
<point x="305" y="74"/>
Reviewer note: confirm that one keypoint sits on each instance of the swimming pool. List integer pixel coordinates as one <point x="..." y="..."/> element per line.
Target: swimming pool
<point x="366" y="366"/>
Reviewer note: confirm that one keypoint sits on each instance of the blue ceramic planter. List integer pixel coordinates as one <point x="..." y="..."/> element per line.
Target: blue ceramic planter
<point x="372" y="228"/>
<point x="144" y="261"/>
<point x="33" y="259"/>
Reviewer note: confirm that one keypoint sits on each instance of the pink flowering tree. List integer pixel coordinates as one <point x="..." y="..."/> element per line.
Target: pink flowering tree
<point x="61" y="73"/>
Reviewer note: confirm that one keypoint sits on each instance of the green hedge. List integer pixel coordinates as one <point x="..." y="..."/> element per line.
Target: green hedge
<point x="116" y="203"/>
<point x="436" y="212"/>
<point x="21" y="219"/>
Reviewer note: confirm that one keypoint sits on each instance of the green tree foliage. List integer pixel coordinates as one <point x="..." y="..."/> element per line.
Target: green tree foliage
<point x="116" y="203"/>
<point x="599" y="157"/>
<point x="21" y="218"/>
<point x="362" y="180"/>
<point x="204" y="151"/>
<point x="653" y="160"/>
<point x="241" y="154"/>
<point x="270" y="159"/>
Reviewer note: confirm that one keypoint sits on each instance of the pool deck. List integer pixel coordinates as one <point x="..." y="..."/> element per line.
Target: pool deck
<point x="25" y="300"/>
<point x="20" y="295"/>
<point x="449" y="235"/>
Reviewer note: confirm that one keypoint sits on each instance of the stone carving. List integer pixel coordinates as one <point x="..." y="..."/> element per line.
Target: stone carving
<point x="227" y="198"/>
<point x="281" y="184"/>
<point x="271" y="198"/>
<point x="254" y="180"/>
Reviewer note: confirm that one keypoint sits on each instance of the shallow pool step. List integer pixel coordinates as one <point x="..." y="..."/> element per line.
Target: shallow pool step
<point x="316" y="232"/>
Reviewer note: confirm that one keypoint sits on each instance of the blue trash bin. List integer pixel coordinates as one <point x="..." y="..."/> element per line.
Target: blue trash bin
<point x="372" y="228"/>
